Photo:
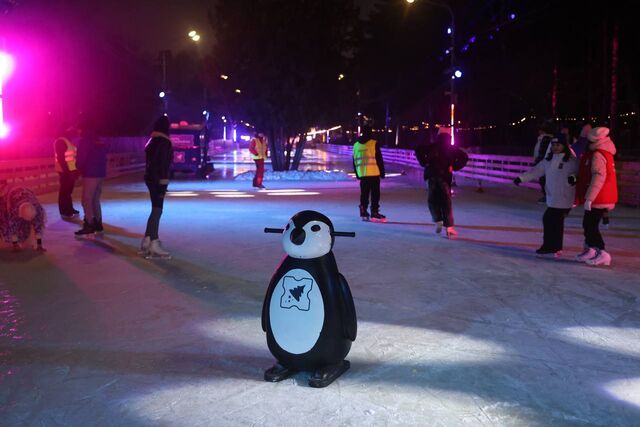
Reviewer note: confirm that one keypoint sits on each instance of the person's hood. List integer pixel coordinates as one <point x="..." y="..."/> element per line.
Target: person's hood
<point x="605" y="144"/>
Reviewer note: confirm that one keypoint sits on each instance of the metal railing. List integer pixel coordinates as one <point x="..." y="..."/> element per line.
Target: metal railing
<point x="503" y="169"/>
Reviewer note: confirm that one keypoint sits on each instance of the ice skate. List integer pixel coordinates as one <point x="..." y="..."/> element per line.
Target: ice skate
<point x="278" y="373"/>
<point x="326" y="375"/>
<point x="546" y="253"/>
<point x="86" y="230"/>
<point x="451" y="233"/>
<point x="364" y="214"/>
<point x="439" y="227"/>
<point x="376" y="216"/>
<point x="156" y="251"/>
<point x="603" y="258"/>
<point x="97" y="226"/>
<point x="144" y="245"/>
<point x="587" y="254"/>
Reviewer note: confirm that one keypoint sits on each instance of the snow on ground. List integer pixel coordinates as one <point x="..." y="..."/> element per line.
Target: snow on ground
<point x="476" y="331"/>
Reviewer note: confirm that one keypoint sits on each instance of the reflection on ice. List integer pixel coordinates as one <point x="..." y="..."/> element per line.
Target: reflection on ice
<point x="619" y="340"/>
<point x="10" y="317"/>
<point x="627" y="390"/>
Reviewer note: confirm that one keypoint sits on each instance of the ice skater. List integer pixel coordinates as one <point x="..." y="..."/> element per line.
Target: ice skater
<point x="369" y="168"/>
<point x="92" y="164"/>
<point x="557" y="166"/>
<point x="21" y="214"/>
<point x="258" y="149"/>
<point x="439" y="160"/>
<point x="597" y="189"/>
<point x="159" y="154"/>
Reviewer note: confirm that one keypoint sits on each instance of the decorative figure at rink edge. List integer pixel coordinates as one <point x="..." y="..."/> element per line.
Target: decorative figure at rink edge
<point x="308" y="312"/>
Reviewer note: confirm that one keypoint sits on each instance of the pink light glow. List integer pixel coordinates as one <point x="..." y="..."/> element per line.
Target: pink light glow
<point x="6" y="68"/>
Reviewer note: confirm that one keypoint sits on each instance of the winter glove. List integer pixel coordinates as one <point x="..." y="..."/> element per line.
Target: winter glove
<point x="587" y="205"/>
<point x="517" y="181"/>
<point x="572" y="179"/>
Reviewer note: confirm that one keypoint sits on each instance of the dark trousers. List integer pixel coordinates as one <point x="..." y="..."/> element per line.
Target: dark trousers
<point x="370" y="185"/>
<point x="257" y="179"/>
<point x="440" y="201"/>
<point x="553" y="223"/>
<point x="590" y="224"/>
<point x="67" y="182"/>
<point x="156" y="194"/>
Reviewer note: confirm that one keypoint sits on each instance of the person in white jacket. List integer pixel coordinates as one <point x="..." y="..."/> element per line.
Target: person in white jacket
<point x="559" y="163"/>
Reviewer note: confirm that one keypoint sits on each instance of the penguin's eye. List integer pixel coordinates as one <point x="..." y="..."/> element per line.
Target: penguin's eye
<point x="315" y="227"/>
<point x="287" y="227"/>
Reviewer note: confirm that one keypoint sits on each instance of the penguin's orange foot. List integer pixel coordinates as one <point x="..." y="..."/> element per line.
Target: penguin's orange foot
<point x="278" y="373"/>
<point x="327" y="374"/>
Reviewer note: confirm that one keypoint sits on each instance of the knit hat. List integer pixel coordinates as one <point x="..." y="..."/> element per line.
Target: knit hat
<point x="560" y="138"/>
<point x="598" y="134"/>
<point x="162" y="125"/>
<point x="586" y="129"/>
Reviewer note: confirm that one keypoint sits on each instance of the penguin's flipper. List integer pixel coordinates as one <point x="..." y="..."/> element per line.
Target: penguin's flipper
<point x="328" y="374"/>
<point x="348" y="310"/>
<point x="278" y="373"/>
<point x="265" y="312"/>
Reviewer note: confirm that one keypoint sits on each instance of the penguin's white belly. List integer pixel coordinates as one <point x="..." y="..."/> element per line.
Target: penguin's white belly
<point x="296" y="312"/>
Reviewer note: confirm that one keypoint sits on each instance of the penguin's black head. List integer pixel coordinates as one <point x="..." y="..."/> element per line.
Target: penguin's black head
<point x="309" y="234"/>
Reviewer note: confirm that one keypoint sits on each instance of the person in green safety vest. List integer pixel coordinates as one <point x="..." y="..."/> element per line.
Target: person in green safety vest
<point x="369" y="168"/>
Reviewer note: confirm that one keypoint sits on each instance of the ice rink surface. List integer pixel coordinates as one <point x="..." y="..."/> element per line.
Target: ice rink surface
<point x="476" y="331"/>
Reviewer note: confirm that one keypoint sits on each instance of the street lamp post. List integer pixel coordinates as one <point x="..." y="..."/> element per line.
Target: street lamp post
<point x="452" y="55"/>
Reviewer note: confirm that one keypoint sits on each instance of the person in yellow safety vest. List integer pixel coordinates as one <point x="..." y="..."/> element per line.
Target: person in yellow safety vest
<point x="369" y="167"/>
<point x="258" y="149"/>
<point x="65" y="165"/>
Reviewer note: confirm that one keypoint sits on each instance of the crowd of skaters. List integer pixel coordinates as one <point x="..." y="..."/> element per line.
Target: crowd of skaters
<point x="567" y="180"/>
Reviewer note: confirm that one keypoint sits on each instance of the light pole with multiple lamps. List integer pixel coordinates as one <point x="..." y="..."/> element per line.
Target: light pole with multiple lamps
<point x="452" y="55"/>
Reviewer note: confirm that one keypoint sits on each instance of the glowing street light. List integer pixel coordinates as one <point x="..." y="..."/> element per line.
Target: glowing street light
<point x="340" y="76"/>
<point x="193" y="34"/>
<point x="224" y="77"/>
<point x="238" y="91"/>
<point x="6" y="68"/>
<point x="162" y="94"/>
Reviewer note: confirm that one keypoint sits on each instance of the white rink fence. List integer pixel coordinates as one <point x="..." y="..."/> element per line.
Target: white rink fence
<point x="39" y="174"/>
<point x="503" y="169"/>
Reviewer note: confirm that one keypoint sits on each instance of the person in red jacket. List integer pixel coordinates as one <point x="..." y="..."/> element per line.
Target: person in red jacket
<point x="597" y="188"/>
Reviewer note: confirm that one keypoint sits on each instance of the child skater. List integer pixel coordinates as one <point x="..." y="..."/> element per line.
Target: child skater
<point x="20" y="215"/>
<point x="559" y="163"/>
<point x="597" y="188"/>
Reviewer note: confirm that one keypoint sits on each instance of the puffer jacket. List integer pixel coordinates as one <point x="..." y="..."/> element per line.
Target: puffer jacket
<point x="560" y="194"/>
<point x="600" y="185"/>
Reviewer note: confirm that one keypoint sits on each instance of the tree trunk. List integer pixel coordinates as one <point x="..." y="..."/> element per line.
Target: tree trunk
<point x="299" y="149"/>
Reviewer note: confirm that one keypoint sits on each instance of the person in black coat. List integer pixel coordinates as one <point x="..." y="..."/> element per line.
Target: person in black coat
<point x="439" y="160"/>
<point x="159" y="155"/>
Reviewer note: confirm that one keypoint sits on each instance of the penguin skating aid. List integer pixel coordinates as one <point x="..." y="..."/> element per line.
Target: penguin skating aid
<point x="308" y="312"/>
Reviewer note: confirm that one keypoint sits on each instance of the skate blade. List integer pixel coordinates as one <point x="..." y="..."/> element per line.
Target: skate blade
<point x="378" y="220"/>
<point x="555" y="255"/>
<point x="151" y="256"/>
<point x="365" y="219"/>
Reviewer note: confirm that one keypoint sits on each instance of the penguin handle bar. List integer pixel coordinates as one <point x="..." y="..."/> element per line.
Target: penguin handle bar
<point x="335" y="233"/>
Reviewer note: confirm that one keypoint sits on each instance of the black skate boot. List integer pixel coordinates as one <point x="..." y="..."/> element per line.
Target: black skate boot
<point x="97" y="225"/>
<point x="86" y="229"/>
<point x="376" y="216"/>
<point x="364" y="215"/>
